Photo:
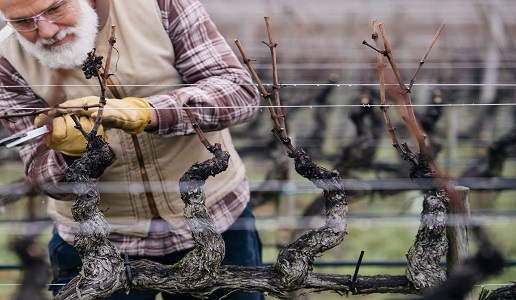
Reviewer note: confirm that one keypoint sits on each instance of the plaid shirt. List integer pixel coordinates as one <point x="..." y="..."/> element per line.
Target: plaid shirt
<point x="204" y="60"/>
<point x="161" y="240"/>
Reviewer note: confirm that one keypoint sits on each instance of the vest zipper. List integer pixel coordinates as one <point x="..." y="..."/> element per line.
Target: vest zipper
<point x="139" y="156"/>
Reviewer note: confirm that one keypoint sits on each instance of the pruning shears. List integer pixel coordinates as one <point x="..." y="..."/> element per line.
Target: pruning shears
<point x="23" y="138"/>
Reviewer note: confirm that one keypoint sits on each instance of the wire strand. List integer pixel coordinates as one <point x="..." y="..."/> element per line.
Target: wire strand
<point x="292" y="84"/>
<point x="301" y="106"/>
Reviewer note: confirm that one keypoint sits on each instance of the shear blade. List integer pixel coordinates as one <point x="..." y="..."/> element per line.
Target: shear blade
<point x="27" y="136"/>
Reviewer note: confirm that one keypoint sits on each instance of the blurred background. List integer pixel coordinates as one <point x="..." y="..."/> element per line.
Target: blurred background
<point x="464" y="98"/>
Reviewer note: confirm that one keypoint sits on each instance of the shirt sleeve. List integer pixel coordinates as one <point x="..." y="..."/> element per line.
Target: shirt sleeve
<point x="220" y="91"/>
<point x="44" y="167"/>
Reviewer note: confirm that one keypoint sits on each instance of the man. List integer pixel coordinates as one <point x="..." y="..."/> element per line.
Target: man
<point x="168" y="53"/>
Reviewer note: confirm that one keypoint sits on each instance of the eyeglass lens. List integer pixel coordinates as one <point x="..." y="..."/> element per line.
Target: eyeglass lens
<point x="52" y="14"/>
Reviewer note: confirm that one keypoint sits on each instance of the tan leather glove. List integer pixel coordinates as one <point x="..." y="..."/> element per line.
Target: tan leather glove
<point x="64" y="137"/>
<point x="129" y="114"/>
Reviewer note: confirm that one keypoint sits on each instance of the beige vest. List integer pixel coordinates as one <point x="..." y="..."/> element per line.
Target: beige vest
<point x="144" y="67"/>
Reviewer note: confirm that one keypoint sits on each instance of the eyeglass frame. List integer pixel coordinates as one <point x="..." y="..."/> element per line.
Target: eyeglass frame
<point x="36" y="18"/>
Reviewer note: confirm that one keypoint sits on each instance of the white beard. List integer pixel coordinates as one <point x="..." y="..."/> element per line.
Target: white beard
<point x="72" y="54"/>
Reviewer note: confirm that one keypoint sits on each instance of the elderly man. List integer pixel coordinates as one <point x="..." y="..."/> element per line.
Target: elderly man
<point x="168" y="53"/>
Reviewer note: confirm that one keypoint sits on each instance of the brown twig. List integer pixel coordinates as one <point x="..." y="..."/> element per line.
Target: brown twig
<point x="377" y="49"/>
<point x="275" y="81"/>
<point x="103" y="83"/>
<point x="412" y="124"/>
<point x="197" y="129"/>
<point x="388" y="53"/>
<point x="262" y="89"/>
<point x="422" y="61"/>
<point x="402" y="149"/>
<point x="281" y="130"/>
<point x="278" y="129"/>
<point x="410" y="119"/>
<point x="112" y="41"/>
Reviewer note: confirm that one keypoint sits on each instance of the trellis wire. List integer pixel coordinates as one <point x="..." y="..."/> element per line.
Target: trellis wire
<point x="62" y="284"/>
<point x="313" y="84"/>
<point x="312" y="106"/>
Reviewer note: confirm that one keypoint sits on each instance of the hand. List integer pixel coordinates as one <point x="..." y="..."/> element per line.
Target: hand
<point x="64" y="137"/>
<point x="129" y="114"/>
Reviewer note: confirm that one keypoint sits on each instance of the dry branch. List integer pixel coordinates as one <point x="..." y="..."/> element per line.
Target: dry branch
<point x="424" y="171"/>
<point x="423" y="270"/>
<point x="262" y="279"/>
<point x="422" y="61"/>
<point x="295" y="261"/>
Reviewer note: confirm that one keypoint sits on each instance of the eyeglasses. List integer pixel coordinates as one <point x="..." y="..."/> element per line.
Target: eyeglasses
<point x="52" y="14"/>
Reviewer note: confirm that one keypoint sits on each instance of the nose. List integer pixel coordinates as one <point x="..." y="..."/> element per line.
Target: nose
<point x="46" y="29"/>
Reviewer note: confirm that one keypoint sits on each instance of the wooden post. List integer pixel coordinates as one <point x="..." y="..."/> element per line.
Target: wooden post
<point x="457" y="231"/>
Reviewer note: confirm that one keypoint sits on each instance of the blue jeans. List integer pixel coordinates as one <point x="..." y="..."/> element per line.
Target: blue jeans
<point x="243" y="247"/>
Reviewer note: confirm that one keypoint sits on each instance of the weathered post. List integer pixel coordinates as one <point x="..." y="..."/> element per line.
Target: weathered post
<point x="457" y="231"/>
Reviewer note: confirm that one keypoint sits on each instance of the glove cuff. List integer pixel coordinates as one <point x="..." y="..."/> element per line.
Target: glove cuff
<point x="144" y="114"/>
